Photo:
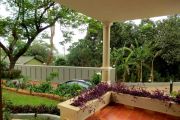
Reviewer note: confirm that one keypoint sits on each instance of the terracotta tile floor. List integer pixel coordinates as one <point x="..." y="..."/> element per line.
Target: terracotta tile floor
<point x="119" y="112"/>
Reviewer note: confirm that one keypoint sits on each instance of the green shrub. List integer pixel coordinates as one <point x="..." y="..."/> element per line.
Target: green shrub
<point x="18" y="83"/>
<point x="44" y="87"/>
<point x="60" y="61"/>
<point x="34" y="109"/>
<point x="96" y="78"/>
<point x="14" y="74"/>
<point x="67" y="90"/>
<point x="175" y="94"/>
<point x="51" y="76"/>
<point x="12" y="84"/>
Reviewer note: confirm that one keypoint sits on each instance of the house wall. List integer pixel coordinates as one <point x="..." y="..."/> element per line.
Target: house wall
<point x="34" y="62"/>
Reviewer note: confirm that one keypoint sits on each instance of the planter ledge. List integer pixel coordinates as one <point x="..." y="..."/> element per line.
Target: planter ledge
<point x="69" y="112"/>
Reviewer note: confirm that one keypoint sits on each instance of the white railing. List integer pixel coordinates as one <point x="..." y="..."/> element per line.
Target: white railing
<point x="40" y="72"/>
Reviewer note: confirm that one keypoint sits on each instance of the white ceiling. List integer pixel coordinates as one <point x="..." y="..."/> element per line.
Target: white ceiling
<point x="121" y="10"/>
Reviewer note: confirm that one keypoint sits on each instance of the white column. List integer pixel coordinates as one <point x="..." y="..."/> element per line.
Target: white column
<point x="106" y="52"/>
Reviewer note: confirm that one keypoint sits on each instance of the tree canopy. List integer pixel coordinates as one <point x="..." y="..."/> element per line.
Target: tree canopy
<point x="152" y="49"/>
<point x="27" y="19"/>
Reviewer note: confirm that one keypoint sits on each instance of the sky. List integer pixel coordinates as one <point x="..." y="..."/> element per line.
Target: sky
<point x="77" y="33"/>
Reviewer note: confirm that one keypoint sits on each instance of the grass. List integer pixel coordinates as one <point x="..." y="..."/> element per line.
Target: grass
<point x="20" y="99"/>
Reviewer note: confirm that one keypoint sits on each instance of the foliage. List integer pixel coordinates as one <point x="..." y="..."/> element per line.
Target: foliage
<point x="102" y="88"/>
<point x="27" y="20"/>
<point x="68" y="90"/>
<point x="96" y="78"/>
<point x="39" y="49"/>
<point x="168" y="39"/>
<point x="60" y="61"/>
<point x="20" y="83"/>
<point x="82" y="53"/>
<point x="52" y="76"/>
<point x="44" y="87"/>
<point x="14" y="74"/>
<point x="34" y="109"/>
<point x="154" y="49"/>
<point x="90" y="94"/>
<point x="6" y="109"/>
<point x="3" y="65"/>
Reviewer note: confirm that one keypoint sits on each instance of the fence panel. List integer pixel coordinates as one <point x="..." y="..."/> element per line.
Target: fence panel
<point x="40" y="72"/>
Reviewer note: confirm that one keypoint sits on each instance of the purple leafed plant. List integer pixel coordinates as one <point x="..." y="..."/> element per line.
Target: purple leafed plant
<point x="91" y="94"/>
<point x="102" y="88"/>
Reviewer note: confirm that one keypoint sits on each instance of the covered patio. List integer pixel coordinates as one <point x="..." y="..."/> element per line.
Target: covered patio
<point x="109" y="11"/>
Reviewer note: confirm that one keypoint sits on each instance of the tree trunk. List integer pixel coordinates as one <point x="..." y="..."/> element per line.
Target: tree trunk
<point x="152" y="71"/>
<point x="138" y="71"/>
<point x="141" y="72"/>
<point x="11" y="67"/>
<point x="50" y="56"/>
<point x="1" y="105"/>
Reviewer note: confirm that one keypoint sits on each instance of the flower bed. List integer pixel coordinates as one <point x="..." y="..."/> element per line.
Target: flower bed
<point x="102" y="88"/>
<point x="122" y="94"/>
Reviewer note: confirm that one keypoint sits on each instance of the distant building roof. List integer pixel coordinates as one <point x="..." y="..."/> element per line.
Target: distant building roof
<point x="22" y="59"/>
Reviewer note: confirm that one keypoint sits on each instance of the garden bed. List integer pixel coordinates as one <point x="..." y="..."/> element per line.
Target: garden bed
<point x="28" y="92"/>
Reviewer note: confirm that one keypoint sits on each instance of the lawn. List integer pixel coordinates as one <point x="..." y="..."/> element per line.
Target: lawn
<point x="20" y="99"/>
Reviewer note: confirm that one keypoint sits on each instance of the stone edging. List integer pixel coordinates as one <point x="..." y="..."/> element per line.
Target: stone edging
<point x="31" y="115"/>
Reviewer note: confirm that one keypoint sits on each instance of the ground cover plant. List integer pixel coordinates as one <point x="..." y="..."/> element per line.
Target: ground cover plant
<point x="102" y="88"/>
<point x="9" y="108"/>
<point x="17" y="103"/>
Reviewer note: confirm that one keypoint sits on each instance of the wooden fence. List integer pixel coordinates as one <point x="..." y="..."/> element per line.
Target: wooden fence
<point x="40" y="72"/>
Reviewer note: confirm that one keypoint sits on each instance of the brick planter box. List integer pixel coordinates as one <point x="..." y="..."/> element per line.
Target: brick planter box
<point x="156" y="105"/>
<point x="69" y="112"/>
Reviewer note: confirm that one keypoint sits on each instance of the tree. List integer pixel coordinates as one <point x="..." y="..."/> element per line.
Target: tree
<point x="122" y="34"/>
<point x="122" y="60"/>
<point x="39" y="49"/>
<point x="141" y="54"/>
<point x="167" y="45"/>
<point x="29" y="19"/>
<point x="168" y="39"/>
<point x="60" y="61"/>
<point x="83" y="53"/>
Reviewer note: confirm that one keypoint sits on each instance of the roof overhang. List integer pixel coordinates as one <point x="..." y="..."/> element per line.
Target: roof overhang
<point x="121" y="10"/>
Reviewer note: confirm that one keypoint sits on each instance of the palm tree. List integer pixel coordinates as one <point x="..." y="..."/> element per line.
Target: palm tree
<point x="141" y="53"/>
<point x="123" y="63"/>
